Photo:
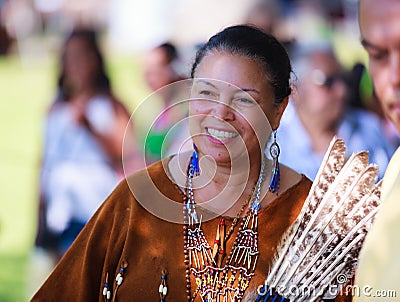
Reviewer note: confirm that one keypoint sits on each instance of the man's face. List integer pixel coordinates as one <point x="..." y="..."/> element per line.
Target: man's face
<point x="380" y="35"/>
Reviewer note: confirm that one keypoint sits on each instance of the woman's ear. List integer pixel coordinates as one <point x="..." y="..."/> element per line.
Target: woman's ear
<point x="279" y="109"/>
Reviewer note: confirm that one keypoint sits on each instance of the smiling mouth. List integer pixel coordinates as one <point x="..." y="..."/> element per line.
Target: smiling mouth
<point x="221" y="135"/>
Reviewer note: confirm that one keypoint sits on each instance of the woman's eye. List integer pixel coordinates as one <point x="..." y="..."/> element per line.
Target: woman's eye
<point x="205" y="92"/>
<point x="245" y="101"/>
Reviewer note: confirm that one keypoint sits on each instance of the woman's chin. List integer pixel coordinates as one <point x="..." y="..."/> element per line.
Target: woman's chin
<point x="223" y="157"/>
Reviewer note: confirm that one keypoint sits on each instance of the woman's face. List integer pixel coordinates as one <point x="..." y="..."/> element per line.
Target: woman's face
<point x="80" y="64"/>
<point x="232" y="107"/>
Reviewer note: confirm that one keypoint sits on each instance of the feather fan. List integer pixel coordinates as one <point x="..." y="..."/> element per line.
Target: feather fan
<point x="319" y="252"/>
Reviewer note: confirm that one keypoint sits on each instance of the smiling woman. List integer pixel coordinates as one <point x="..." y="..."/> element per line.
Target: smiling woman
<point x="224" y="118"/>
<point x="139" y="246"/>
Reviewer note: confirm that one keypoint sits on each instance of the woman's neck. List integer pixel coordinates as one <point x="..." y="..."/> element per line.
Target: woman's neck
<point x="234" y="174"/>
<point x="223" y="189"/>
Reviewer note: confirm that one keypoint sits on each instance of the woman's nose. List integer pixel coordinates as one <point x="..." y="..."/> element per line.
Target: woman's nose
<point x="223" y="110"/>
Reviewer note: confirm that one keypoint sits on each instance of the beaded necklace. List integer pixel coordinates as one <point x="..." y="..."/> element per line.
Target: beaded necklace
<point x="214" y="281"/>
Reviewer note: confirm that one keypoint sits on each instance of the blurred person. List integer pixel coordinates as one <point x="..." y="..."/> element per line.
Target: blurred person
<point x="379" y="267"/>
<point x="263" y="14"/>
<point x="160" y="66"/>
<point x="160" y="70"/>
<point x="318" y="111"/>
<point x="266" y="15"/>
<point x="82" y="153"/>
<point x="5" y="38"/>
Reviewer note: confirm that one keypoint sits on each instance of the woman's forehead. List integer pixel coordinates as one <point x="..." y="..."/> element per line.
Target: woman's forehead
<point x="238" y="70"/>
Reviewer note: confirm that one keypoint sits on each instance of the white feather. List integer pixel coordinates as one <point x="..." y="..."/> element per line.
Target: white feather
<point x="331" y="165"/>
<point x="327" y="236"/>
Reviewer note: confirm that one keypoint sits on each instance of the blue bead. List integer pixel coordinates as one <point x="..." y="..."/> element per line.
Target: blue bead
<point x="195" y="161"/>
<point x="256" y="207"/>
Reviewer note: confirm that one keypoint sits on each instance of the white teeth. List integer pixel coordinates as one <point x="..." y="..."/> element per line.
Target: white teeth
<point x="221" y="135"/>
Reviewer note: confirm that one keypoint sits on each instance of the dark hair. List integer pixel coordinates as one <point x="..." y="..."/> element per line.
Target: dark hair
<point x="255" y="44"/>
<point x="169" y="50"/>
<point x="101" y="81"/>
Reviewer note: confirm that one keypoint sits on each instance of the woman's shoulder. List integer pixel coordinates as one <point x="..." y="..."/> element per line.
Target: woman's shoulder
<point x="292" y="179"/>
<point x="294" y="189"/>
<point x="155" y="172"/>
<point x="153" y="189"/>
<point x="288" y="203"/>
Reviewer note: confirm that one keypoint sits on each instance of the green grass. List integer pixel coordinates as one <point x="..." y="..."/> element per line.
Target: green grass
<point x="24" y="95"/>
<point x="13" y="275"/>
<point x="26" y="90"/>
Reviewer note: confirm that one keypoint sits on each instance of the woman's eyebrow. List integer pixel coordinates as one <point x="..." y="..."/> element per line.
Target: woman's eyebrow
<point x="238" y="90"/>
<point x="206" y="82"/>
<point x="250" y="90"/>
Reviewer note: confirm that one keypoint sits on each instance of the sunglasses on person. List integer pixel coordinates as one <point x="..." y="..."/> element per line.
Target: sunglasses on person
<point x="322" y="79"/>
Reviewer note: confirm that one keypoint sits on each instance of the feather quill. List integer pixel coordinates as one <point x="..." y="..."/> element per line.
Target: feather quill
<point x="330" y="167"/>
<point x="324" y="242"/>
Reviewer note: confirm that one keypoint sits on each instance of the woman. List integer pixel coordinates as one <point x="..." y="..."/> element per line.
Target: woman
<point x="84" y="132"/>
<point x="137" y="247"/>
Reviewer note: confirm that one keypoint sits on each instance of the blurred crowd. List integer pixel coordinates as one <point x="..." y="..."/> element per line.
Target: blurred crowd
<point x="82" y="158"/>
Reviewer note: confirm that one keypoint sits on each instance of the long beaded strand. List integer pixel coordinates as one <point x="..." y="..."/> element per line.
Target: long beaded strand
<point x="212" y="280"/>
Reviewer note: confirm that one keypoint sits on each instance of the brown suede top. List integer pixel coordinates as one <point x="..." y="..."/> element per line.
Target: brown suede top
<point x="124" y="233"/>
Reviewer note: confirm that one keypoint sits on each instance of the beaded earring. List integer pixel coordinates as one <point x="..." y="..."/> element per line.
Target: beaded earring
<point x="195" y="160"/>
<point x="274" y="150"/>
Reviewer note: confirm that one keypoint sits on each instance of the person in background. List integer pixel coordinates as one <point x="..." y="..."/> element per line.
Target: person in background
<point x="160" y="66"/>
<point x="263" y="15"/>
<point x="379" y="266"/>
<point x="82" y="153"/>
<point x="266" y="15"/>
<point x="318" y="110"/>
<point x="161" y="70"/>
<point x="5" y="39"/>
